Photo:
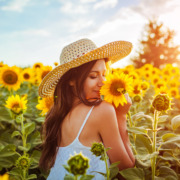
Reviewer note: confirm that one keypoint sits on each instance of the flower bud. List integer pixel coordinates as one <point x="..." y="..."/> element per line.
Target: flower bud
<point x="137" y="98"/>
<point x="161" y="102"/>
<point x="97" y="149"/>
<point x="78" y="164"/>
<point x="23" y="162"/>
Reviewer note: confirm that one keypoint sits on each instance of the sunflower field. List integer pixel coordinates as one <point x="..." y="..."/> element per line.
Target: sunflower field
<point x="153" y="123"/>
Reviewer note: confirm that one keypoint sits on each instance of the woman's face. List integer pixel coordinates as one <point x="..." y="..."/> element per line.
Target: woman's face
<point x="95" y="79"/>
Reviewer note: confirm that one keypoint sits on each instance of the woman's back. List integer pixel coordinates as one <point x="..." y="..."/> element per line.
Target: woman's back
<point x="72" y="123"/>
<point x="71" y="143"/>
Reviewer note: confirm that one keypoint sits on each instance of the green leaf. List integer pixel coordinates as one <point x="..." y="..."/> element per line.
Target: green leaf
<point x="137" y="130"/>
<point x="162" y="119"/>
<point x="35" y="138"/>
<point x="67" y="168"/>
<point x="140" y="115"/>
<point x="29" y="128"/>
<point x="6" y="163"/>
<point x="8" y="150"/>
<point x="27" y="148"/>
<point x="143" y="144"/>
<point x="32" y="176"/>
<point x="141" y="164"/>
<point x="19" y="119"/>
<point x="169" y="137"/>
<point x="165" y="171"/>
<point x="114" y="164"/>
<point x="133" y="173"/>
<point x="69" y="177"/>
<point x="15" y="133"/>
<point x="5" y="115"/>
<point x="175" y="122"/>
<point x="16" y="172"/>
<point x="35" y="156"/>
<point x="87" y="177"/>
<point x="103" y="174"/>
<point x="113" y="172"/>
<point x="40" y="119"/>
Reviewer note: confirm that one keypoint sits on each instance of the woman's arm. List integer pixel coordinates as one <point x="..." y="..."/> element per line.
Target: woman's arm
<point x="121" y="112"/>
<point x="111" y="136"/>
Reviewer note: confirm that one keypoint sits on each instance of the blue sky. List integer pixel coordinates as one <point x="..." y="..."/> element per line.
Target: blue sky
<point x="37" y="30"/>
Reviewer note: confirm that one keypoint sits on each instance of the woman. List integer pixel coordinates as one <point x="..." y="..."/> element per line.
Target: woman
<point x="79" y="117"/>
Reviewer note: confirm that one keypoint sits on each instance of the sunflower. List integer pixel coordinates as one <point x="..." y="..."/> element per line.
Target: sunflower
<point x="147" y="67"/>
<point x="161" y="90"/>
<point x="166" y="78"/>
<point x="2" y="64"/>
<point x="147" y="75"/>
<point x="174" y="92"/>
<point x="134" y="75"/>
<point x="45" y="104"/>
<point x="155" y="71"/>
<point x="144" y="85"/>
<point x="4" y="177"/>
<point x="16" y="104"/>
<point x="10" y="77"/>
<point x="56" y="63"/>
<point x="28" y="74"/>
<point x="38" y="65"/>
<point x="136" y="88"/>
<point x="160" y="84"/>
<point x="174" y="83"/>
<point x="114" y="88"/>
<point x="155" y="79"/>
<point x="43" y="72"/>
<point x="166" y="72"/>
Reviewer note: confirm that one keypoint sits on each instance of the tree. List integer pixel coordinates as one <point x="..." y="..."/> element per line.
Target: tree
<point x="157" y="47"/>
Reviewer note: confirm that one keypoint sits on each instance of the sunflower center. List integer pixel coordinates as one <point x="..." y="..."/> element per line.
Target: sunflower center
<point x="15" y="105"/>
<point x="10" y="77"/>
<point x="44" y="74"/>
<point x="24" y="162"/>
<point x="26" y="76"/>
<point x="37" y="66"/>
<point x="117" y="88"/>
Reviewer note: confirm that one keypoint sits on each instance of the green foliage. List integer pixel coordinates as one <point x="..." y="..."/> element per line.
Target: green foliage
<point x="20" y="135"/>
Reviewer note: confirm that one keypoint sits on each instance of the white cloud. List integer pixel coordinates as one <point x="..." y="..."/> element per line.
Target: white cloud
<point x="105" y="4"/>
<point x="149" y="8"/>
<point x="126" y="25"/>
<point x="87" y="1"/>
<point x="15" y="5"/>
<point x="36" y="32"/>
<point x="79" y="24"/>
<point x="73" y="8"/>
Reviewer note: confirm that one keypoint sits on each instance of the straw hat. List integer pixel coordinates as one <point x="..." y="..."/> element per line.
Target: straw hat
<point x="78" y="53"/>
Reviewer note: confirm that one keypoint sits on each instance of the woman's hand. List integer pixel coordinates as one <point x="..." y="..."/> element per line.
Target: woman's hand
<point x="123" y="110"/>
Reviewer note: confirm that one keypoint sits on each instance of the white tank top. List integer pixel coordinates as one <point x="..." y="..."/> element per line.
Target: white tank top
<point x="58" y="172"/>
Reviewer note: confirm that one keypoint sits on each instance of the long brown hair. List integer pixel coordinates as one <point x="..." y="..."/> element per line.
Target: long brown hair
<point x="63" y="101"/>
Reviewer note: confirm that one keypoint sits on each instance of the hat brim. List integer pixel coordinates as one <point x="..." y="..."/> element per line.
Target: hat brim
<point x="113" y="51"/>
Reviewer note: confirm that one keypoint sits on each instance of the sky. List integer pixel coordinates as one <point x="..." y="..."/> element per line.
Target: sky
<point x="37" y="30"/>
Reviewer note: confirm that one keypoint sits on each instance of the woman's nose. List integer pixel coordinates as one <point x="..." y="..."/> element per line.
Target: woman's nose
<point x="100" y="82"/>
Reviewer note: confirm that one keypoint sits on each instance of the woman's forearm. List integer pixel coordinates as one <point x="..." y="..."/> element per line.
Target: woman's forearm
<point x="122" y="123"/>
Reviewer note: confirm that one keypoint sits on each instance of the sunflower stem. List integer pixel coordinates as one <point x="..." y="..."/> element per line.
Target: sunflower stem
<point x="24" y="174"/>
<point x="23" y="133"/>
<point x="107" y="169"/>
<point x="154" y="144"/>
<point x="131" y="124"/>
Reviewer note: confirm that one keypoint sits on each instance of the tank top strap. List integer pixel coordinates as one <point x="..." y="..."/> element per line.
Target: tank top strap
<point x="87" y="116"/>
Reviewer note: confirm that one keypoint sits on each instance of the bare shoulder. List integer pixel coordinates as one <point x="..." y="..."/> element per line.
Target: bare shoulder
<point x="104" y="111"/>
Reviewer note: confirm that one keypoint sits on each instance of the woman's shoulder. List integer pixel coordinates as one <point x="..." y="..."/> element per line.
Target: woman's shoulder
<point x="104" y="109"/>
